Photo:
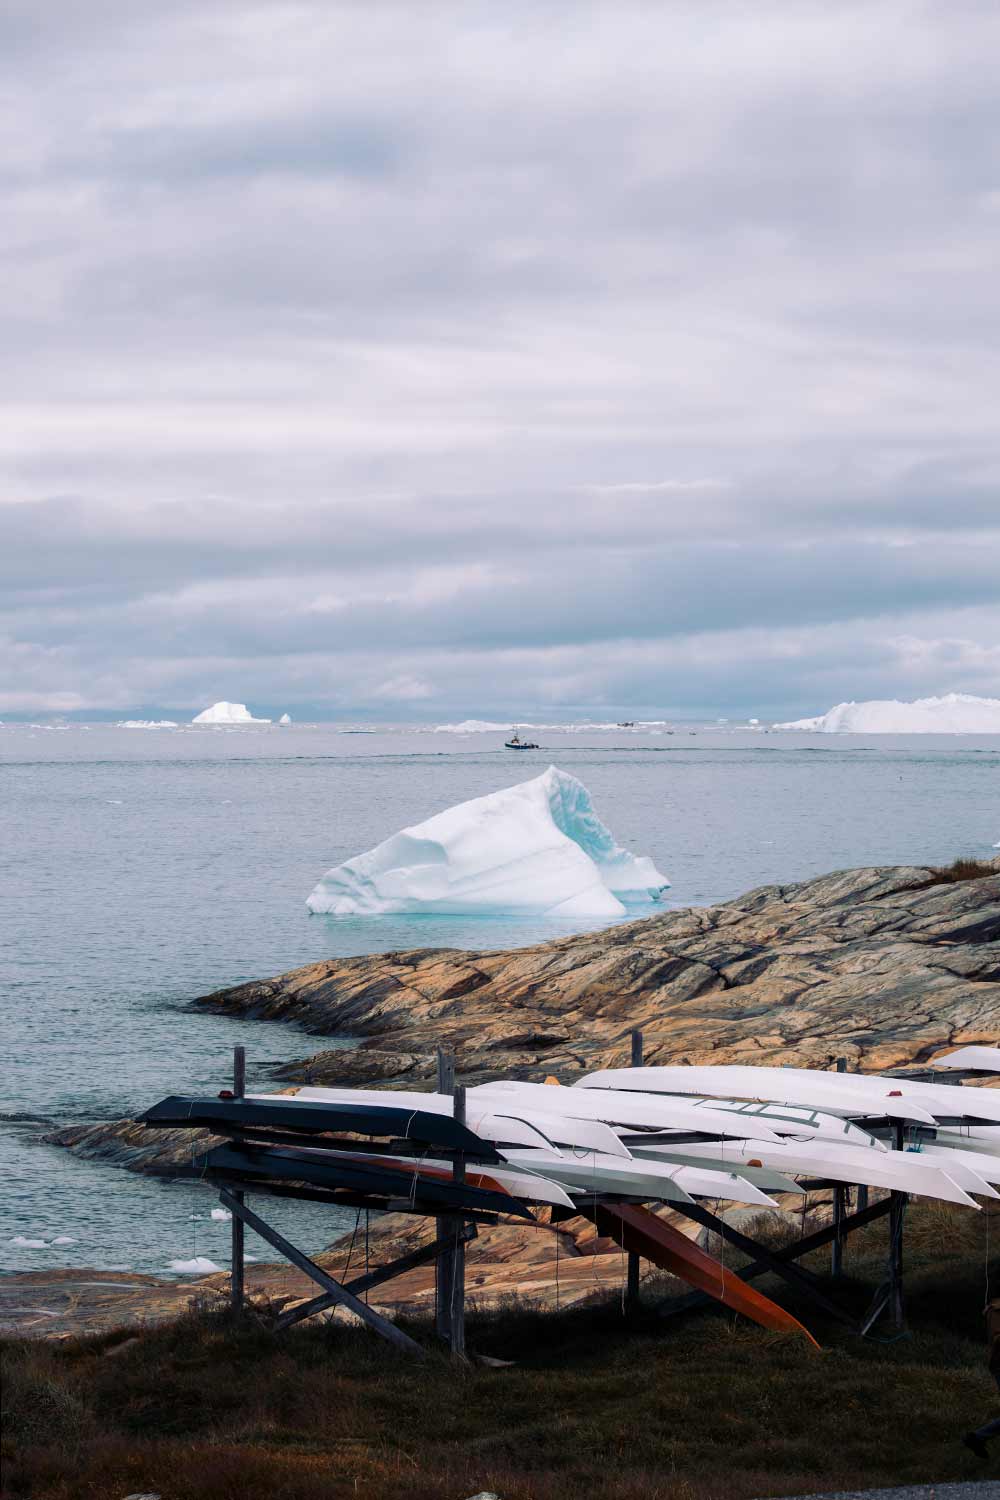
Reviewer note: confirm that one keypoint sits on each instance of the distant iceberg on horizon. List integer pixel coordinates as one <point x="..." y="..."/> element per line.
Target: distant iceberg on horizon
<point x="147" y="724"/>
<point x="285" y="719"/>
<point x="534" y="849"/>
<point x="227" y="713"/>
<point x="954" y="713"/>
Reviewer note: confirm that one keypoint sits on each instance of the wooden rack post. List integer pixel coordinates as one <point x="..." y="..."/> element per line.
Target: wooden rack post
<point x="632" y="1268"/>
<point x="839" y="1200"/>
<point x="444" y="1271"/>
<point x="237" y="1260"/>
<point x="456" y="1316"/>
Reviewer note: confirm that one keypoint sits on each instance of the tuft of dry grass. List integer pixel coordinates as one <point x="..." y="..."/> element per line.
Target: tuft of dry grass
<point x="961" y="869"/>
<point x="703" y="1408"/>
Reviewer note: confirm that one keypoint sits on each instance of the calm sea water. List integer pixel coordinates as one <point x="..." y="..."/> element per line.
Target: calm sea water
<point x="141" y="868"/>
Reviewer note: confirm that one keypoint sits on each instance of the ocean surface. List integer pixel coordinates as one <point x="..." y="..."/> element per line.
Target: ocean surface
<point x="142" y="868"/>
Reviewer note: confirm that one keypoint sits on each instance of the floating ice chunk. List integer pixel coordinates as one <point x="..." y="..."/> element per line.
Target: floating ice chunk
<point x="285" y="719"/>
<point x="955" y="713"/>
<point x="227" y="713"/>
<point x="200" y="1265"/>
<point x="26" y="1243"/>
<point x="472" y="726"/>
<point x="222" y="1214"/>
<point x="535" y="848"/>
<point x="146" y="724"/>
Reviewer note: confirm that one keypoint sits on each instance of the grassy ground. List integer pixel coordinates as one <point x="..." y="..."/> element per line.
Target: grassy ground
<point x="704" y="1408"/>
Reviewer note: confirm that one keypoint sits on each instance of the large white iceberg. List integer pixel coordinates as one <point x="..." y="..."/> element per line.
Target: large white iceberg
<point x="955" y="713"/>
<point x="227" y="713"/>
<point x="532" y="849"/>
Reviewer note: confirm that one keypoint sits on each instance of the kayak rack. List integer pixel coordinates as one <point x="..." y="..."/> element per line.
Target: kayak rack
<point x="328" y="1152"/>
<point x="291" y="1152"/>
<point x="782" y="1262"/>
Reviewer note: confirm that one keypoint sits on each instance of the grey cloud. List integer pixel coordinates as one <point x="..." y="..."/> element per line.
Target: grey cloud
<point x="399" y="308"/>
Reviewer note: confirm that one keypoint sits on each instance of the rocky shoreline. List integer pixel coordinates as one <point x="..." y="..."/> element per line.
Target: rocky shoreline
<point x="885" y="966"/>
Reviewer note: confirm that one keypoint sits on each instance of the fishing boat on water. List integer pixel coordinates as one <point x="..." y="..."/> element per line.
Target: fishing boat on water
<point x="516" y="743"/>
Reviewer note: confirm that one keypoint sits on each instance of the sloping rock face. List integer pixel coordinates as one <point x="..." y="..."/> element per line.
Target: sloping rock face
<point x="881" y="966"/>
<point x="885" y="967"/>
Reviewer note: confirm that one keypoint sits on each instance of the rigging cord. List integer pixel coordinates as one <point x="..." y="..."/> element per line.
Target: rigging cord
<point x="350" y="1248"/>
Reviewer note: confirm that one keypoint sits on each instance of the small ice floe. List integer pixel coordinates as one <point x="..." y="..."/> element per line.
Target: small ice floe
<point x="222" y="1214"/>
<point x="25" y="1242"/>
<point x="199" y="1265"/>
<point x="64" y="1239"/>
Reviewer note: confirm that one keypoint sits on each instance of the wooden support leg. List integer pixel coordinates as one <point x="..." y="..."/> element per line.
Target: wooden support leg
<point x="632" y="1266"/>
<point x="456" y="1317"/>
<point x="795" y="1275"/>
<point x="889" y="1297"/>
<point x="444" y="1273"/>
<point x="361" y="1285"/>
<point x="837" y="1243"/>
<point x="368" y="1315"/>
<point x="896" y="1219"/>
<point x="237" y="1273"/>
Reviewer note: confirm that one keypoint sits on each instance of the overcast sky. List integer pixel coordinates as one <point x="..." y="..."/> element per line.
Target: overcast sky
<point x="419" y="359"/>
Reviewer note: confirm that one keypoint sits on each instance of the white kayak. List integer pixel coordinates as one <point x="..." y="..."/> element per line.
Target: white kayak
<point x="517" y="1126"/>
<point x="899" y="1171"/>
<point x="796" y="1120"/>
<point x="970" y="1137"/>
<point x="532" y="1187"/>
<point x="619" y="1108"/>
<point x="646" y="1180"/>
<point x="597" y="1174"/>
<point x="976" y="1059"/>
<point x="855" y="1095"/>
<point x="952" y="1158"/>
<point x="762" y="1177"/>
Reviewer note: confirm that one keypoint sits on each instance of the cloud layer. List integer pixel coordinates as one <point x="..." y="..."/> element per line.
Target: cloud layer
<point x="411" y="358"/>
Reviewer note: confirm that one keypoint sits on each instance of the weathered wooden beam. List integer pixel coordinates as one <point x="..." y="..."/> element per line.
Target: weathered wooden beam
<point x="383" y="1326"/>
<point x="456" y="1312"/>
<point x="632" y="1271"/>
<point x="795" y="1251"/>
<point x="237" y="1262"/>
<point x="362" y="1284"/>
<point x="444" y="1270"/>
<point x="796" y="1276"/>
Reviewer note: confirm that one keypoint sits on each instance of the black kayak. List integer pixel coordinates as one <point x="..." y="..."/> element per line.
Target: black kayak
<point x="284" y="1113"/>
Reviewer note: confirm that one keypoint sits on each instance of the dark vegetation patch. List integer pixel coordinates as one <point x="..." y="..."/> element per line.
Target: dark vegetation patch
<point x="703" y="1408"/>
<point x="961" y="869"/>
